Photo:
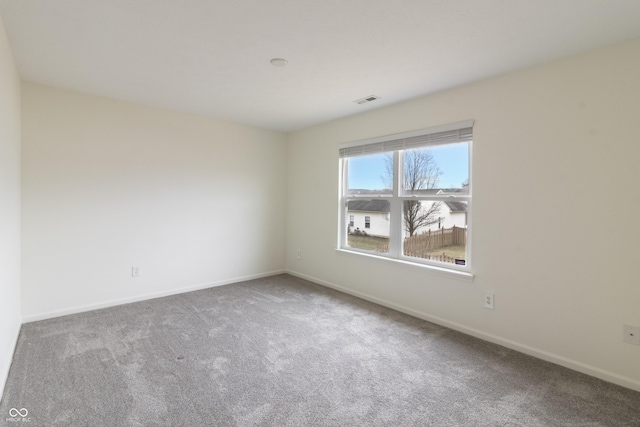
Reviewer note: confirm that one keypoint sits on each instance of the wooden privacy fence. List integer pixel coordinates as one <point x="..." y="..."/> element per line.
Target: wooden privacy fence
<point x="420" y="244"/>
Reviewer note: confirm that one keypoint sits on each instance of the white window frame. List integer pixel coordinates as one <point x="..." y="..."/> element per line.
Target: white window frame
<point x="397" y="144"/>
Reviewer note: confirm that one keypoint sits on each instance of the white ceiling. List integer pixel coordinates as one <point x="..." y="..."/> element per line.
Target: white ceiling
<point x="211" y="57"/>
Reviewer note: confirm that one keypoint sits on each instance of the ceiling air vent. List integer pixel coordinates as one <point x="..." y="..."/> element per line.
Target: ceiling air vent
<point x="366" y="99"/>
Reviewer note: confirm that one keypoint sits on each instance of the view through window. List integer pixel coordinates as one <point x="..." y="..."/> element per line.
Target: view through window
<point x="409" y="197"/>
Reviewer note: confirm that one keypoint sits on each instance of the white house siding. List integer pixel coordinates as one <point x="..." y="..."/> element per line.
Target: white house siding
<point x="379" y="222"/>
<point x="448" y="218"/>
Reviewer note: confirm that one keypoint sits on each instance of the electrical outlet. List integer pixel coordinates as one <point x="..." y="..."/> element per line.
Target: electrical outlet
<point x="135" y="271"/>
<point x="488" y="300"/>
<point x="299" y="253"/>
<point x="632" y="334"/>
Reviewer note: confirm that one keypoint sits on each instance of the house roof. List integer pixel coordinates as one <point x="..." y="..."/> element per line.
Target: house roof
<point x="369" y="205"/>
<point x="420" y="192"/>
<point x="441" y="191"/>
<point x="457" y="206"/>
<point x="383" y="206"/>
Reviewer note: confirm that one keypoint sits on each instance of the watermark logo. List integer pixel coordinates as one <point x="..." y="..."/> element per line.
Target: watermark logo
<point x="18" y="416"/>
<point x="13" y="412"/>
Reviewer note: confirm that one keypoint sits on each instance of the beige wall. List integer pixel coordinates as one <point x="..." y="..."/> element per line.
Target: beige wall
<point x="107" y="185"/>
<point x="552" y="146"/>
<point x="10" y="317"/>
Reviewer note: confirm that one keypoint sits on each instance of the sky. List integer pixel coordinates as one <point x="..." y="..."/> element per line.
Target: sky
<point x="366" y="172"/>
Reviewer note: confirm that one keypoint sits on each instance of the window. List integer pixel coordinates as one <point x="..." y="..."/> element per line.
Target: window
<point x="413" y="191"/>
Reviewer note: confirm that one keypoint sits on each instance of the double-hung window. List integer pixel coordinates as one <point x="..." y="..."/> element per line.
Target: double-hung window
<point x="412" y="193"/>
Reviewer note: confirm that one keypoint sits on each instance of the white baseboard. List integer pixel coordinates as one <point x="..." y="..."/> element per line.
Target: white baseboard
<point x="584" y="368"/>
<point x="4" y="374"/>
<point x="144" y="297"/>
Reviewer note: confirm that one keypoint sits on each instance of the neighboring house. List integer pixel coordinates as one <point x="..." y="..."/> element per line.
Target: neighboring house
<point x="451" y="214"/>
<point x="372" y="216"/>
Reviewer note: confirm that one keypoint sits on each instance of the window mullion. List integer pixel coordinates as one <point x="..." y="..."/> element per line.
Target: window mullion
<point x="397" y="170"/>
<point x="343" y="212"/>
<point x="395" y="226"/>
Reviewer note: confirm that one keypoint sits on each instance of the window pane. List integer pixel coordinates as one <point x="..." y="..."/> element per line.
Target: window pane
<point x="435" y="230"/>
<point x="440" y="169"/>
<point x="370" y="229"/>
<point x="372" y="174"/>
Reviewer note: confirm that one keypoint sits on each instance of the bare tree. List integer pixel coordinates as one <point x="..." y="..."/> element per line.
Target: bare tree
<point x="420" y="172"/>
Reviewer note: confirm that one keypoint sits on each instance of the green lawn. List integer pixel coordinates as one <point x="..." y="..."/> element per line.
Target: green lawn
<point x="367" y="242"/>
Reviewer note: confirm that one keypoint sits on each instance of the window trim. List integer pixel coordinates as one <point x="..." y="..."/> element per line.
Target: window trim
<point x="466" y="276"/>
<point x="434" y="136"/>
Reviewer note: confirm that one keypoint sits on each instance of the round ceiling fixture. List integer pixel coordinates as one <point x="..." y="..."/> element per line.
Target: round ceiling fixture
<point x="279" y="62"/>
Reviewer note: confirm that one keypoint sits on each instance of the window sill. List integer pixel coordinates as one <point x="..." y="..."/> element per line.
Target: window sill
<point x="447" y="272"/>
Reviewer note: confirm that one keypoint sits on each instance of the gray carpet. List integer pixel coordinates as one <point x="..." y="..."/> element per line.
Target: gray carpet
<point x="281" y="351"/>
